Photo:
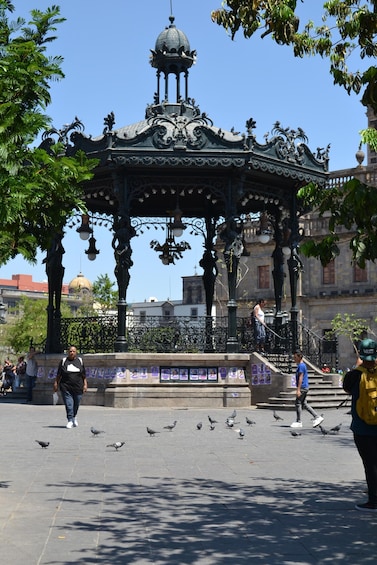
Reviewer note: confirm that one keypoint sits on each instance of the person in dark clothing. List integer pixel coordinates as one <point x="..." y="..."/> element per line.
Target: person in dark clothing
<point x="71" y="379"/>
<point x="8" y="377"/>
<point x="365" y="434"/>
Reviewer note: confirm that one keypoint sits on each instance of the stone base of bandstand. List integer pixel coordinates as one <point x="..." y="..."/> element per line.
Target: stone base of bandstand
<point x="142" y="380"/>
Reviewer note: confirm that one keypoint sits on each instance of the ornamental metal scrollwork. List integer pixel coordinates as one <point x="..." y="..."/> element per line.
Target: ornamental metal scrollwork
<point x="63" y="133"/>
<point x="284" y="140"/>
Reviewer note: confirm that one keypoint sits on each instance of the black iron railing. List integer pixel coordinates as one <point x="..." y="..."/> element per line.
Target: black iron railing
<point x="185" y="334"/>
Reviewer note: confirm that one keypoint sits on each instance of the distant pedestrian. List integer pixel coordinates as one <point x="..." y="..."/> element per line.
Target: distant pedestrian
<point x="20" y="372"/>
<point x="31" y="373"/>
<point x="361" y="383"/>
<point x="8" y="374"/>
<point x="259" y="324"/>
<point x="302" y="389"/>
<point x="71" y="379"/>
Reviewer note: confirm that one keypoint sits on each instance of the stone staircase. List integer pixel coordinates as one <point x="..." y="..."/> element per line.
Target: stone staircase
<point x="15" y="397"/>
<point x="322" y="395"/>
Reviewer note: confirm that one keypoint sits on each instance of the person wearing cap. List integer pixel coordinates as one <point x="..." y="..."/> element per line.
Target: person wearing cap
<point x="365" y="434"/>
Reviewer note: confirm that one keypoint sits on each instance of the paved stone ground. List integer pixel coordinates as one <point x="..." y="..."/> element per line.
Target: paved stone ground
<point x="181" y="497"/>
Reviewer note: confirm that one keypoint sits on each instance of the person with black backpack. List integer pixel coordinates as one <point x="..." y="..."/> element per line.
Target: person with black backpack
<point x="361" y="383"/>
<point x="71" y="379"/>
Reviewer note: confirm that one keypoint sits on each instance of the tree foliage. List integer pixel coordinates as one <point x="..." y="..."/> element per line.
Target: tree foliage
<point x="103" y="293"/>
<point x="39" y="189"/>
<point x="349" y="326"/>
<point x="29" y="325"/>
<point x="347" y="31"/>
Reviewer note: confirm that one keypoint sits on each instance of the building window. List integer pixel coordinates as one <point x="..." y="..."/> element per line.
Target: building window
<point x="194" y="313"/>
<point x="167" y="314"/>
<point x="142" y="316"/>
<point x="359" y="275"/>
<point x="264" y="276"/>
<point x="328" y="273"/>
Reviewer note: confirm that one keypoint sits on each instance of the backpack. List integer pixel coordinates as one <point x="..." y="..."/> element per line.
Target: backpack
<point x="366" y="404"/>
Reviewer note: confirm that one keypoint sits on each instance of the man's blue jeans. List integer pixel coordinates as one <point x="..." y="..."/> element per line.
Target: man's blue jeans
<point x="72" y="403"/>
<point x="30" y="384"/>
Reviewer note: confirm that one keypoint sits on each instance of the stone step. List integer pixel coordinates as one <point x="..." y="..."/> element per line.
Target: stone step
<point x="14" y="396"/>
<point x="329" y="404"/>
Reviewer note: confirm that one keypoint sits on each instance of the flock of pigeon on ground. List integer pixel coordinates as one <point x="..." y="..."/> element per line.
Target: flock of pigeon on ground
<point x="230" y="422"/>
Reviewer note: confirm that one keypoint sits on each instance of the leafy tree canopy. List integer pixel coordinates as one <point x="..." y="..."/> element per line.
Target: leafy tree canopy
<point x="39" y="189"/>
<point x="29" y="325"/>
<point x="346" y="32"/>
<point x="346" y="35"/>
<point x="103" y="293"/>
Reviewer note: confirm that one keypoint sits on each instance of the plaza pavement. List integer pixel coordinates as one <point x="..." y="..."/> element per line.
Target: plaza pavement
<point x="181" y="497"/>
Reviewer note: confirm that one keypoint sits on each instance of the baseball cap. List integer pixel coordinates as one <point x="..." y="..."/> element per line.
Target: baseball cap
<point x="368" y="350"/>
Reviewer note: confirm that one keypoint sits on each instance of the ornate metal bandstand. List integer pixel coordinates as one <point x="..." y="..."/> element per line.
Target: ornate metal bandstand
<point x="176" y="164"/>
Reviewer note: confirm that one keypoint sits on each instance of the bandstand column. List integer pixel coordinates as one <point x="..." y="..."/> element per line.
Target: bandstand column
<point x="121" y="243"/>
<point x="210" y="271"/>
<point x="232" y="236"/>
<point x="294" y="267"/>
<point x="55" y="274"/>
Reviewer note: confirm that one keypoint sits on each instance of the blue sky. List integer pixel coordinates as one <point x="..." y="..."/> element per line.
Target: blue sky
<point x="106" y="49"/>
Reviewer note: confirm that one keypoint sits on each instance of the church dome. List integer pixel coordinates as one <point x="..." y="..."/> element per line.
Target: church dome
<point x="80" y="284"/>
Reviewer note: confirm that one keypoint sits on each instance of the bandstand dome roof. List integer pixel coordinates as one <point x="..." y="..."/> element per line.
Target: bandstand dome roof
<point x="172" y="50"/>
<point x="172" y="38"/>
<point x="80" y="283"/>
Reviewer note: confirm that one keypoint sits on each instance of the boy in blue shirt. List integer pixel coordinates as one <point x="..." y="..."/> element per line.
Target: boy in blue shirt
<point x="302" y="389"/>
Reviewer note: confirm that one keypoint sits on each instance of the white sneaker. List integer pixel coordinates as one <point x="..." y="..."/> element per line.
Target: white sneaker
<point x="75" y="422"/>
<point x="317" y="421"/>
<point x="296" y="425"/>
<point x="69" y="425"/>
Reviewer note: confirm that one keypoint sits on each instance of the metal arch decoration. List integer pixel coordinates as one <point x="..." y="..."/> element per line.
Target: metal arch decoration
<point x="62" y="134"/>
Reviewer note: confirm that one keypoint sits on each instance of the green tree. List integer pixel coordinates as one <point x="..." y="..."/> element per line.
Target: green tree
<point x="103" y="293"/>
<point x="347" y="31"/>
<point x="346" y="35"/>
<point x="29" y="325"/>
<point x="349" y="326"/>
<point x="40" y="189"/>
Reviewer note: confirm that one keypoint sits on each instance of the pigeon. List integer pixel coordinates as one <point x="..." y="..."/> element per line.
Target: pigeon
<point x="96" y="432"/>
<point x="336" y="429"/>
<point x="229" y="422"/>
<point x="151" y="432"/>
<point x="117" y="445"/>
<point x="212" y="421"/>
<point x="324" y="432"/>
<point x="199" y="426"/>
<point x="277" y="417"/>
<point x="212" y="427"/>
<point x="171" y="427"/>
<point x="241" y="433"/>
<point x="295" y="434"/>
<point x="43" y="444"/>
<point x="249" y="422"/>
<point x="233" y="415"/>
